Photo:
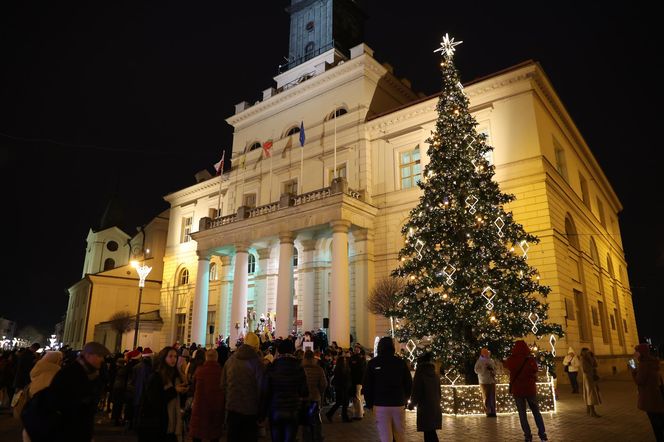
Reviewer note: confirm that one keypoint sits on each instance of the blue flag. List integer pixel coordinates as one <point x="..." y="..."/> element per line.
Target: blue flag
<point x="302" y="138"/>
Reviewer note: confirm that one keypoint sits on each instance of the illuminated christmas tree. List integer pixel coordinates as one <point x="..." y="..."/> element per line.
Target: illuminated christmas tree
<point x="468" y="284"/>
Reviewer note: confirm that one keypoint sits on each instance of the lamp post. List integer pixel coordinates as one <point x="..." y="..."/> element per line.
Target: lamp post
<point x="142" y="271"/>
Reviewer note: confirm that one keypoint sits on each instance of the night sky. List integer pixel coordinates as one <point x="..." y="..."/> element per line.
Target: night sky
<point x="104" y="98"/>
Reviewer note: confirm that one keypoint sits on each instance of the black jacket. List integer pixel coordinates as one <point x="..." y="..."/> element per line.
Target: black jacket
<point x="284" y="386"/>
<point x="387" y="382"/>
<point x="153" y="417"/>
<point x="426" y="397"/>
<point x="358" y="364"/>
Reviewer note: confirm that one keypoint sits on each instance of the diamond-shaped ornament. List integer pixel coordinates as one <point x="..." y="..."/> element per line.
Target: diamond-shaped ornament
<point x="552" y="341"/>
<point x="419" y="245"/>
<point x="452" y="381"/>
<point x="500" y="224"/>
<point x="471" y="201"/>
<point x="471" y="141"/>
<point x="534" y="322"/>
<point x="488" y="293"/>
<point x="524" y="246"/>
<point x="411" y="346"/>
<point x="448" y="271"/>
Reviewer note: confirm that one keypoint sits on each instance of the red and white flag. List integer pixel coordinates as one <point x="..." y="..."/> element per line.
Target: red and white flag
<point x="266" y="148"/>
<point x="219" y="166"/>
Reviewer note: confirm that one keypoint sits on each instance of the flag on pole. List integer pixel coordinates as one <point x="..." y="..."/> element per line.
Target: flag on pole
<point x="266" y="148"/>
<point x="219" y="165"/>
<point x="302" y="137"/>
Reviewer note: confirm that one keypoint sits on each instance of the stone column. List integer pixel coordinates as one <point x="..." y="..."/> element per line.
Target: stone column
<point x="260" y="281"/>
<point x="363" y="260"/>
<point x="225" y="291"/>
<point x="307" y="277"/>
<point x="200" y="309"/>
<point x="285" y="285"/>
<point x="340" y="302"/>
<point x="239" y="300"/>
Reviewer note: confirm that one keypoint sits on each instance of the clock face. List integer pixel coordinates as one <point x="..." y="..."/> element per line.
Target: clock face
<point x="136" y="250"/>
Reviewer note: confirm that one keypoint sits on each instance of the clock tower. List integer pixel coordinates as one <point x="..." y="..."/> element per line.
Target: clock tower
<point x="316" y="26"/>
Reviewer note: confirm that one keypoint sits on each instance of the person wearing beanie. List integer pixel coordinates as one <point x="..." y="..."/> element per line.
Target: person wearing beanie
<point x="387" y="386"/>
<point x="571" y="365"/>
<point x="283" y="389"/>
<point x="648" y="379"/>
<point x="240" y="382"/>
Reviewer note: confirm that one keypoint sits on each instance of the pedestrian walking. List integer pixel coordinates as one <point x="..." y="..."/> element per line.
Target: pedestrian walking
<point x="485" y="367"/>
<point x="241" y="381"/>
<point x="523" y="378"/>
<point x="426" y="397"/>
<point x="358" y="365"/>
<point x="387" y="386"/>
<point x="207" y="411"/>
<point x="648" y="379"/>
<point x="316" y="384"/>
<point x="160" y="417"/>
<point x="341" y="381"/>
<point x="571" y="366"/>
<point x="591" y="394"/>
<point x="283" y="390"/>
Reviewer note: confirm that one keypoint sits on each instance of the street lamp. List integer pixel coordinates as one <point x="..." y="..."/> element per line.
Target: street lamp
<point x="142" y="271"/>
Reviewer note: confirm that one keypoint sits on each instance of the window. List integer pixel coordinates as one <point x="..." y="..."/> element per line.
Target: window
<point x="310" y="26"/>
<point x="109" y="264"/>
<point x="602" y="317"/>
<point x="295" y="257"/>
<point x="625" y="325"/>
<point x="255" y="145"/>
<point x="600" y="210"/>
<point x="112" y="246"/>
<point x="210" y="327"/>
<point x="180" y="321"/>
<point x="580" y="314"/>
<point x="570" y="232"/>
<point x="593" y="252"/>
<point x="214" y="213"/>
<point x="569" y="309"/>
<point x="561" y="165"/>
<point x="183" y="279"/>
<point x="336" y="113"/>
<point x="186" y="229"/>
<point x="292" y="131"/>
<point x="585" y="195"/>
<point x="341" y="172"/>
<point x="289" y="187"/>
<point x="595" y="316"/>
<point x="251" y="264"/>
<point x="409" y="168"/>
<point x="213" y="271"/>
<point x="613" y="319"/>
<point x="249" y="200"/>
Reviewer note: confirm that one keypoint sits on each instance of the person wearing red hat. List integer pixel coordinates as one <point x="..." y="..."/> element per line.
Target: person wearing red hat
<point x="649" y="383"/>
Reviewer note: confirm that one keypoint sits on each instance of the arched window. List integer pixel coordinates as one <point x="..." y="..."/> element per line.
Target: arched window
<point x="251" y="264"/>
<point x="336" y="113"/>
<point x="295" y="257"/>
<point x="213" y="271"/>
<point x="593" y="253"/>
<point x="183" y="279"/>
<point x="109" y="264"/>
<point x="609" y="266"/>
<point x="292" y="131"/>
<point x="254" y="146"/>
<point x="570" y="232"/>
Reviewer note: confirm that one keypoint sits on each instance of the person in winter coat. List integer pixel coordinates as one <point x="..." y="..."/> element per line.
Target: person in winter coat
<point x="160" y="418"/>
<point x="426" y="397"/>
<point x="591" y="394"/>
<point x="648" y="380"/>
<point x="386" y="387"/>
<point x="316" y="384"/>
<point x="26" y="360"/>
<point x="44" y="371"/>
<point x="341" y="381"/>
<point x="207" y="413"/>
<point x="283" y="389"/>
<point x="69" y="404"/>
<point x="572" y="364"/>
<point x="485" y="367"/>
<point x="523" y="378"/>
<point x="241" y="380"/>
<point x="358" y="364"/>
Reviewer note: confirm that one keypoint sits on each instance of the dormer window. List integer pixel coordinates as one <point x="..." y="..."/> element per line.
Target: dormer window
<point x="337" y="113"/>
<point x="292" y="131"/>
<point x="256" y="145"/>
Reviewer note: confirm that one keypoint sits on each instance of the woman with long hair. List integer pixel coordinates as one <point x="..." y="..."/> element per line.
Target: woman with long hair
<point x="591" y="394"/>
<point x="160" y="418"/>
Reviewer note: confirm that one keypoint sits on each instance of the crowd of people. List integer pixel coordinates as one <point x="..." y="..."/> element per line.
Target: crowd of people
<point x="275" y="388"/>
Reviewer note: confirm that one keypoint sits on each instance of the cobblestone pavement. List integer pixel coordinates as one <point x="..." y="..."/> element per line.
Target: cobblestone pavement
<point x="620" y="422"/>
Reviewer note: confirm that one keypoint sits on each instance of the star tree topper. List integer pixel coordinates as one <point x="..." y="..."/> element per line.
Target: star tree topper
<point x="447" y="46"/>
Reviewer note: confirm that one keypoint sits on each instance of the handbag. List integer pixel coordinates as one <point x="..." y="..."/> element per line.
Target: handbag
<point x="566" y="368"/>
<point x="509" y="387"/>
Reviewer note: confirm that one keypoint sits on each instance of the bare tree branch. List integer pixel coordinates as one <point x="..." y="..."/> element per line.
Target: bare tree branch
<point x="385" y="296"/>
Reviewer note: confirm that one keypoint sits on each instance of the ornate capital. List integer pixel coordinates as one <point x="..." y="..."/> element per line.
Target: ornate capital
<point x="308" y="245"/>
<point x="241" y="247"/>
<point x="340" y="226"/>
<point x="204" y="255"/>
<point x="225" y="260"/>
<point x="286" y="237"/>
<point x="362" y="235"/>
<point x="263" y="253"/>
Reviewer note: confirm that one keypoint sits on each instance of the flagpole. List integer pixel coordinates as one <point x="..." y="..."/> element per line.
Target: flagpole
<point x="270" y="178"/>
<point x="301" y="168"/>
<point x="335" y="142"/>
<point x="221" y="175"/>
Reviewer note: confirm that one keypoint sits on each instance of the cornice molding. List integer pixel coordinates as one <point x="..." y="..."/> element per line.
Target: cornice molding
<point x="203" y="188"/>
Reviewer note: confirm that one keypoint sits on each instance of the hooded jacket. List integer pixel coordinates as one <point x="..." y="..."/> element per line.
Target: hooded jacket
<point x="647" y="378"/>
<point x="572" y="361"/>
<point x="523" y="381"/>
<point x="387" y="380"/>
<point x="44" y="370"/>
<point x="241" y="380"/>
